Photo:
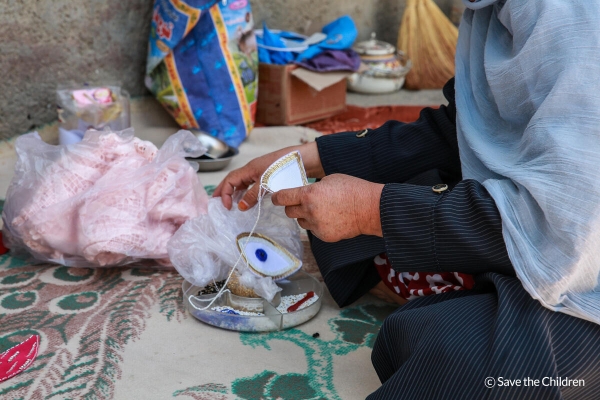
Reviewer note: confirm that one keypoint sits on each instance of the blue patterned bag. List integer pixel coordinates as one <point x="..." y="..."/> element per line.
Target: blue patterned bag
<point x="203" y="65"/>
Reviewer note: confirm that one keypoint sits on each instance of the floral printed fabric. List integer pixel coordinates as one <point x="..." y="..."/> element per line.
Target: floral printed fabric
<point x="410" y="285"/>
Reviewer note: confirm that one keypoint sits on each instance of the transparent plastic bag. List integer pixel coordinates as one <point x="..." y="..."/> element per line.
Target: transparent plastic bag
<point x="204" y="249"/>
<point x="110" y="200"/>
<point x="91" y="107"/>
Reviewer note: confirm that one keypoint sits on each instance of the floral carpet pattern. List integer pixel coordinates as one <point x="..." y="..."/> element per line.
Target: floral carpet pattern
<point x="355" y="327"/>
<point x="88" y="319"/>
<point x="85" y="318"/>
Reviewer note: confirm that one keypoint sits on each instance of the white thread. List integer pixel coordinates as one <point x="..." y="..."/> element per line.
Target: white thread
<point x="262" y="191"/>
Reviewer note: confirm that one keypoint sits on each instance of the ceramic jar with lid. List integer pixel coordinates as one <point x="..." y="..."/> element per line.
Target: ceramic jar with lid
<point x="383" y="68"/>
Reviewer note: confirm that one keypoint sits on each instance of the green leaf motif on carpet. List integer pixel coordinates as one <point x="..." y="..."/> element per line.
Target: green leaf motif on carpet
<point x="292" y="387"/>
<point x="270" y="385"/>
<point x="355" y="327"/>
<point x="9" y="262"/>
<point x="19" y="277"/>
<point x="252" y="388"/>
<point x="19" y="300"/>
<point x="69" y="274"/>
<point x="78" y="301"/>
<point x="361" y="324"/>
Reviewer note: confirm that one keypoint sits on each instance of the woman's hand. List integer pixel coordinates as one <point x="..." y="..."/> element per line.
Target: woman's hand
<point x="338" y="207"/>
<point x="245" y="177"/>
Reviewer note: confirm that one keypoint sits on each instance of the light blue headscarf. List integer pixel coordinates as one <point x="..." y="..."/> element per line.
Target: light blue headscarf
<point x="528" y="101"/>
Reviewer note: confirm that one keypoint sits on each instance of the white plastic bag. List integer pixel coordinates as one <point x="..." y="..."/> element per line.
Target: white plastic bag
<point x="109" y="200"/>
<point x="204" y="249"/>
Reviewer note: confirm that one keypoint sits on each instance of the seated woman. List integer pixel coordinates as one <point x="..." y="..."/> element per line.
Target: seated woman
<point x="495" y="193"/>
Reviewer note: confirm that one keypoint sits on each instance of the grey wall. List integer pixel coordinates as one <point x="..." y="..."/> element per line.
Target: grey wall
<point x="48" y="42"/>
<point x="44" y="43"/>
<point x="308" y="16"/>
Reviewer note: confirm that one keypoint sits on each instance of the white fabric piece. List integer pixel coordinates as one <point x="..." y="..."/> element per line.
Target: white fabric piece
<point x="286" y="173"/>
<point x="528" y="120"/>
<point x="278" y="263"/>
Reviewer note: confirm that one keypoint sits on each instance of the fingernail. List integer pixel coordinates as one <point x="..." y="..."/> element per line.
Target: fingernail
<point x="242" y="205"/>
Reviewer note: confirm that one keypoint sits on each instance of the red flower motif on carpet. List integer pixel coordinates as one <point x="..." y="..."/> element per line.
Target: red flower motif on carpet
<point x="18" y="358"/>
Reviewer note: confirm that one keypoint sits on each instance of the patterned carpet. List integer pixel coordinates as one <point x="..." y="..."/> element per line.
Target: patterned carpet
<point x="123" y="333"/>
<point x="358" y="118"/>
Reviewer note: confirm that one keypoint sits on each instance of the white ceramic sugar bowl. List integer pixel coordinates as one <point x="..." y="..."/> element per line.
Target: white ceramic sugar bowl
<point x="383" y="68"/>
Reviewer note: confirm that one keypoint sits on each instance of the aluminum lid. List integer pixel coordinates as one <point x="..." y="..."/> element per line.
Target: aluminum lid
<point x="374" y="47"/>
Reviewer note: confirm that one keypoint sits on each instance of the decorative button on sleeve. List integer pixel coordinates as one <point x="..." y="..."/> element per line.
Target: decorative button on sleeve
<point x="439" y="188"/>
<point x="362" y="133"/>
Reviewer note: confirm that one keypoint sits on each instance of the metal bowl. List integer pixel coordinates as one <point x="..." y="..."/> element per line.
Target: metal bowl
<point x="215" y="148"/>
<point x="207" y="164"/>
<point x="218" y="154"/>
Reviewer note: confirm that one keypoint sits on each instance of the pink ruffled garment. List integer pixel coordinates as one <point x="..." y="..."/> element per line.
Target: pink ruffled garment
<point x="109" y="200"/>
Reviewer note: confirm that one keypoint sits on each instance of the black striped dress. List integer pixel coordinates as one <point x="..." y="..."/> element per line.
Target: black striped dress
<point x="450" y="345"/>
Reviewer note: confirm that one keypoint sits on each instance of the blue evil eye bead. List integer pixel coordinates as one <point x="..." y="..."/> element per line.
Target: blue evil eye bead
<point x="261" y="255"/>
<point x="267" y="258"/>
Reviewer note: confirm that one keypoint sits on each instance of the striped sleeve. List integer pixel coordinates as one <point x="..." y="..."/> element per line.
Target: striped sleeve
<point x="394" y="152"/>
<point x="456" y="231"/>
<point x="397" y="151"/>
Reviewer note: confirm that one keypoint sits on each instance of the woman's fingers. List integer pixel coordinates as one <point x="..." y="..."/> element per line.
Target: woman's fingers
<point x="288" y="197"/>
<point x="250" y="198"/>
<point x="295" y="212"/>
<point x="218" y="189"/>
<point x="225" y="190"/>
<point x="227" y="187"/>
<point x="235" y="180"/>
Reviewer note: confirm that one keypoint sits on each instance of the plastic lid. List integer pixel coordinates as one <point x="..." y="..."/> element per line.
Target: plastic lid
<point x="374" y="47"/>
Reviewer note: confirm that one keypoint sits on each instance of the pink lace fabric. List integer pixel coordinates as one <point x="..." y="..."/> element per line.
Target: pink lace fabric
<point x="110" y="200"/>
